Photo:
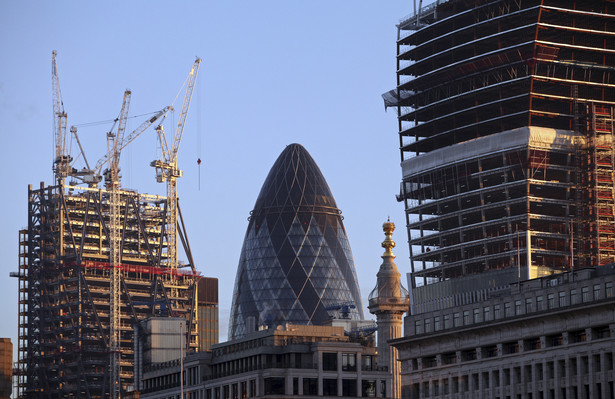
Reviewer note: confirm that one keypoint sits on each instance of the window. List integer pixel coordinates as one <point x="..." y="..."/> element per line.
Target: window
<point x="555" y="340"/>
<point x="427" y="325"/>
<point x="508" y="309"/>
<point x="418" y="327"/>
<point x="449" y="358"/>
<point x="489" y="351"/>
<point x="368" y="387"/>
<point x="429" y="361"/>
<point x="274" y="386"/>
<point x="329" y="361"/>
<point x="510" y="347"/>
<point x="456" y="319"/>
<point x="601" y="332"/>
<point x="577" y="336"/>
<point x="532" y="344"/>
<point x="310" y="386"/>
<point x="608" y="289"/>
<point x="596" y="292"/>
<point x="517" y="307"/>
<point x="244" y="389"/>
<point x="437" y="324"/>
<point x="574" y="299"/>
<point x="486" y="313"/>
<point x="252" y="388"/>
<point x="469" y="354"/>
<point x="528" y="305"/>
<point x="585" y="294"/>
<point x="562" y="299"/>
<point x="329" y="387"/>
<point x="349" y="361"/>
<point x="466" y="317"/>
<point x="539" y="303"/>
<point x="298" y="360"/>
<point x="349" y="387"/>
<point x="447" y="321"/>
<point x="551" y="301"/>
<point x="367" y="362"/>
<point x="476" y="315"/>
<point x="497" y="311"/>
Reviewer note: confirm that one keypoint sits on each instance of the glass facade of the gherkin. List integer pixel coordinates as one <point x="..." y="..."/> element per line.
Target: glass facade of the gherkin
<point x="296" y="264"/>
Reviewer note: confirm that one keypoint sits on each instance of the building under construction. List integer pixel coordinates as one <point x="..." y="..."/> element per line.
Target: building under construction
<point x="94" y="262"/>
<point x="505" y="116"/>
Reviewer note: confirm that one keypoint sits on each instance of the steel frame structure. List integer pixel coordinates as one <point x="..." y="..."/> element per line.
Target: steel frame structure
<point x="64" y="273"/>
<point x="469" y="69"/>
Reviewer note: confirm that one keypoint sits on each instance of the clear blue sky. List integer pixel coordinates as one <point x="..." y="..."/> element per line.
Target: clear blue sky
<point x="273" y="73"/>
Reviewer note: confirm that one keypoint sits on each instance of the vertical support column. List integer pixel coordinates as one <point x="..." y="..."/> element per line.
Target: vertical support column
<point x="114" y="293"/>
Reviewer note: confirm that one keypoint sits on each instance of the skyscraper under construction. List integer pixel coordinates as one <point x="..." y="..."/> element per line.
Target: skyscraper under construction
<point x="505" y="116"/>
<point x="94" y="262"/>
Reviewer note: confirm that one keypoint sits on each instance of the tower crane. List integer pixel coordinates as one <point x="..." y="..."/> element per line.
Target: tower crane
<point x="61" y="163"/>
<point x="114" y="149"/>
<point x="167" y="170"/>
<point x="115" y="144"/>
<point x="92" y="176"/>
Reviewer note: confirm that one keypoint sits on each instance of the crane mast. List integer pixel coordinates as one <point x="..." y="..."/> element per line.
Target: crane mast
<point x="61" y="163"/>
<point x="167" y="170"/>
<point x="114" y="148"/>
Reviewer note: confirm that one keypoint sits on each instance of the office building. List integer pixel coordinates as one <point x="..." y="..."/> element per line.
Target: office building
<point x="295" y="265"/>
<point x="288" y="361"/>
<point x="505" y="113"/>
<point x="505" y="116"/>
<point x="550" y="337"/>
<point x="65" y="291"/>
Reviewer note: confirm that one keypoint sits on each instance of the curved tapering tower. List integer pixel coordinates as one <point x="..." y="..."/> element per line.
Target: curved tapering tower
<point x="296" y="261"/>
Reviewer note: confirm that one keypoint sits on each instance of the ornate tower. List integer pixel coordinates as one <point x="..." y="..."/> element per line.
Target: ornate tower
<point x="389" y="301"/>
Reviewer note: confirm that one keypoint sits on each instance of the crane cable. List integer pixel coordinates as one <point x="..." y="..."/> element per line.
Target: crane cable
<point x="198" y="131"/>
<point x="88" y="124"/>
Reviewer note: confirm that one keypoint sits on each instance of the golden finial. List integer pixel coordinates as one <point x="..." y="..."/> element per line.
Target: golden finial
<point x="388" y="244"/>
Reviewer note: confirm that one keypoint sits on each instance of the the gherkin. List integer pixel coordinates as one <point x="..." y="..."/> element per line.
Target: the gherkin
<point x="296" y="262"/>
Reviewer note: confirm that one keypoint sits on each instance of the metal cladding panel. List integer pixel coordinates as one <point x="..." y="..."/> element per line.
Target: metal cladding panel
<point x="208" y="290"/>
<point x="296" y="260"/>
<point x="164" y="339"/>
<point x="165" y="325"/>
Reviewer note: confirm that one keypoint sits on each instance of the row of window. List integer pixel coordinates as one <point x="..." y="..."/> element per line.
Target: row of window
<point x="309" y="387"/>
<point x="349" y="362"/>
<point x="191" y="377"/>
<point x="566" y="368"/>
<point x="516" y="308"/>
<point x="512" y="347"/>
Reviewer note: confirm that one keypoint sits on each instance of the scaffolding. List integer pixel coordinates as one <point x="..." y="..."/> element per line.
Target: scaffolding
<point x="505" y="118"/>
<point x="598" y="218"/>
<point x="65" y="268"/>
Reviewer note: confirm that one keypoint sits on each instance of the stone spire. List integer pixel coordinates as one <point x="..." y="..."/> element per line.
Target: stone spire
<point x="389" y="301"/>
